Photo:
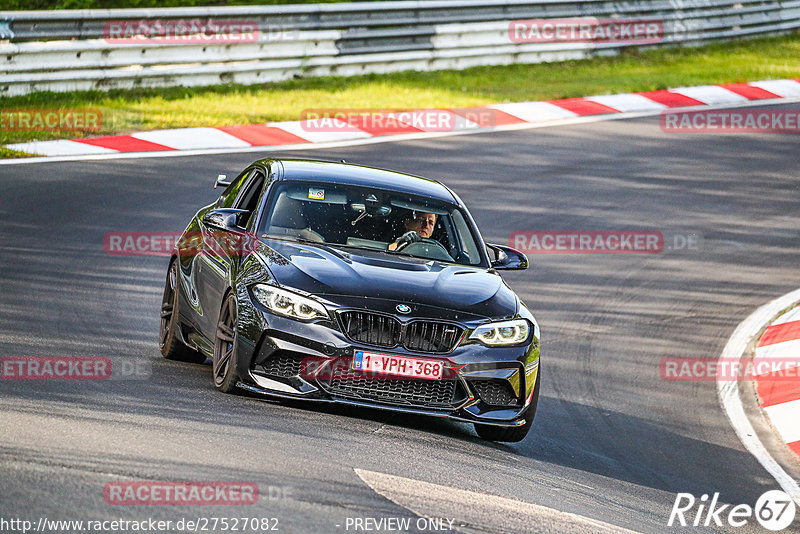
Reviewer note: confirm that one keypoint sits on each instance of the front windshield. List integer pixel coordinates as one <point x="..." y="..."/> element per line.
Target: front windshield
<point x="370" y="219"/>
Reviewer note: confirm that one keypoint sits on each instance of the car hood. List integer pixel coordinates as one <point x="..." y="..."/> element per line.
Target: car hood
<point x="328" y="271"/>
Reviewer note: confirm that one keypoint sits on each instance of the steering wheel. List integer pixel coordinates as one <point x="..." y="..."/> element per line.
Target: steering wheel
<point x="427" y="248"/>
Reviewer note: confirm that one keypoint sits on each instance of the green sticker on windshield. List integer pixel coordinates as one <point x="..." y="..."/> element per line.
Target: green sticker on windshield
<point x="316" y="194"/>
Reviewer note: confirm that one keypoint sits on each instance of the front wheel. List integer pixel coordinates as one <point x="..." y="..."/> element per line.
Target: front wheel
<point x="516" y="433"/>
<point x="224" y="363"/>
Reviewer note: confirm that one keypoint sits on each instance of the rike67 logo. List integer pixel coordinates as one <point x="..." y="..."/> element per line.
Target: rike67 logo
<point x="774" y="510"/>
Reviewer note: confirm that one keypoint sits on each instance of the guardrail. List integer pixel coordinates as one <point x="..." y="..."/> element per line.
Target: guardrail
<point x="75" y="50"/>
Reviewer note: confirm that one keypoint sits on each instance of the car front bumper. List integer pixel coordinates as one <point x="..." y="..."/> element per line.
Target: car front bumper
<point x="284" y="358"/>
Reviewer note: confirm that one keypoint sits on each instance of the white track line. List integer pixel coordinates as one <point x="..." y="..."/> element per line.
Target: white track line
<point x="628" y="102"/>
<point x="389" y="138"/>
<point x="710" y="94"/>
<point x="784" y="417"/>
<point x="770" y="356"/>
<point x="61" y="148"/>
<point x="479" y="511"/>
<point x="785" y="88"/>
<point x="728" y="390"/>
<point x="192" y="138"/>
<point x="788" y="317"/>
<point x="534" y="112"/>
<point x="321" y="130"/>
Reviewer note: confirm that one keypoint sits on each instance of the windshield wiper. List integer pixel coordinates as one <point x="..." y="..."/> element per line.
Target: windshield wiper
<point x="401" y="253"/>
<point x="293" y="238"/>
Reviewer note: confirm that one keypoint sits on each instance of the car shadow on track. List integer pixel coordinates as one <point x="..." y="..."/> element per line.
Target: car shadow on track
<point x="558" y="438"/>
<point x="586" y="438"/>
<point x="565" y="433"/>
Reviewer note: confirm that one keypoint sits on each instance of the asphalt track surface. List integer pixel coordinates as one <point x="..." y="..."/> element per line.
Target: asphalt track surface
<point x="612" y="441"/>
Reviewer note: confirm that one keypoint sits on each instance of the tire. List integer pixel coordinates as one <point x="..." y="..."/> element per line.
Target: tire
<point x="172" y="348"/>
<point x="516" y="433"/>
<point x="225" y="342"/>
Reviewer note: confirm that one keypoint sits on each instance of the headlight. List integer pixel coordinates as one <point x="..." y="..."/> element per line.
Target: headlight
<point x="289" y="304"/>
<point x="503" y="333"/>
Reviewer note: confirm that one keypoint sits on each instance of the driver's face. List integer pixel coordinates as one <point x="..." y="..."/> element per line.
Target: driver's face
<point x="423" y="224"/>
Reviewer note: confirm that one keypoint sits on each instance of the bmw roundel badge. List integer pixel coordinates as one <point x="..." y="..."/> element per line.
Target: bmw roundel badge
<point x="402" y="308"/>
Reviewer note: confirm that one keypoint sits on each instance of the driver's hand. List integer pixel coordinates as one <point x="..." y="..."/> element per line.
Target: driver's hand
<point x="409" y="237"/>
<point x="405" y="239"/>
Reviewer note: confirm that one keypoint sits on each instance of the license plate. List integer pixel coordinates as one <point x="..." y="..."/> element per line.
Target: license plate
<point x="389" y="364"/>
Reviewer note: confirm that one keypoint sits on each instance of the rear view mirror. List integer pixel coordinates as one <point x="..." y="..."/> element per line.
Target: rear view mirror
<point x="373" y="210"/>
<point x="222" y="179"/>
<point x="507" y="258"/>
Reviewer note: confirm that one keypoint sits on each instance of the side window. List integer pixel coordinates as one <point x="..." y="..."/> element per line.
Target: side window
<point x="228" y="196"/>
<point x="248" y="198"/>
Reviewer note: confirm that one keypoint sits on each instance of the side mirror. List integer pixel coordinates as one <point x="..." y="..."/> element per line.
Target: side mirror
<point x="222" y="179"/>
<point x="225" y="219"/>
<point x="507" y="258"/>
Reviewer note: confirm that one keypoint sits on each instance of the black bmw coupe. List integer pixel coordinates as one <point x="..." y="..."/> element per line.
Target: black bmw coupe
<point x="342" y="283"/>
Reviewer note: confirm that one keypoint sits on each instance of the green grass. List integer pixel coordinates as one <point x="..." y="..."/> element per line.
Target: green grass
<point x="111" y="4"/>
<point x="143" y="109"/>
<point x="8" y="153"/>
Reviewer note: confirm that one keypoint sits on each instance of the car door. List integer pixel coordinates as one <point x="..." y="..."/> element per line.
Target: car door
<point x="221" y="249"/>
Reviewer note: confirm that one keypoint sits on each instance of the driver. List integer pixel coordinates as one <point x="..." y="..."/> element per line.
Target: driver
<point x="419" y="226"/>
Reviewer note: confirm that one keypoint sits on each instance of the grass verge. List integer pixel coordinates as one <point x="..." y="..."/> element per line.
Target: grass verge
<point x="8" y="5"/>
<point x="127" y="111"/>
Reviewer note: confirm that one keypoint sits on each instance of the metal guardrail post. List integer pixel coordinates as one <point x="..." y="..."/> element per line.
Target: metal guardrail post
<point x="5" y="29"/>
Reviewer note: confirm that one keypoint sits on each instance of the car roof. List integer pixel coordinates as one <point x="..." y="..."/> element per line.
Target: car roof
<point x="360" y="175"/>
